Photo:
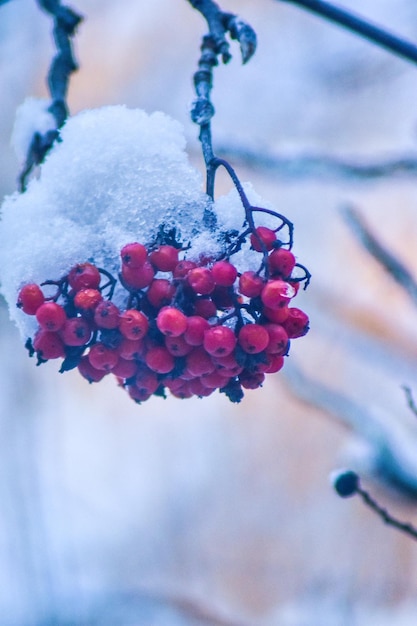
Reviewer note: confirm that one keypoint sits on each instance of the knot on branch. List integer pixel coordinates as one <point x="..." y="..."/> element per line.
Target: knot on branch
<point x="202" y="111"/>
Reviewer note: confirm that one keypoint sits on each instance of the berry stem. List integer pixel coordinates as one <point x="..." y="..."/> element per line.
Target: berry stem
<point x="405" y="527"/>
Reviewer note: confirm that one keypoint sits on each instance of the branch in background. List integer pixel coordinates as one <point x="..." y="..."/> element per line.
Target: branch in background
<point x="63" y="64"/>
<point x="346" y="483"/>
<point x="410" y="399"/>
<point x="319" y="166"/>
<point x="361" y="27"/>
<point x="215" y="45"/>
<point x="389" y="262"/>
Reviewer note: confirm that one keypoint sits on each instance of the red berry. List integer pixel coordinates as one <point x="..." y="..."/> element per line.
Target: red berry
<point x="171" y="321"/>
<point x="133" y="324"/>
<point x="251" y="380"/>
<point x="182" y="268"/>
<point x="125" y="368"/>
<point x="275" y="363"/>
<point x="201" y="280"/>
<point x="227" y="365"/>
<point x="253" y="338"/>
<point x="138" y="277"/>
<point x="84" y="276"/>
<point x="183" y="392"/>
<point x="198" y="388"/>
<point x="138" y="394"/>
<point x="278" y="339"/>
<point x="205" y="307"/>
<point x="219" y="341"/>
<point x="159" y="360"/>
<point x="296" y="323"/>
<point x="194" y="333"/>
<point x="198" y="362"/>
<point x="160" y="292"/>
<point x="89" y="372"/>
<point x="48" y="345"/>
<point x="131" y="348"/>
<point x="277" y="294"/>
<point x="133" y="255"/>
<point x="250" y="284"/>
<point x="215" y="380"/>
<point x="76" y="332"/>
<point x="262" y="238"/>
<point x="224" y="273"/>
<point x="87" y="299"/>
<point x="30" y="298"/>
<point x="107" y="315"/>
<point x="281" y="262"/>
<point x="51" y="316"/>
<point x="276" y="315"/>
<point x="102" y="358"/>
<point x="146" y="381"/>
<point x="177" y="346"/>
<point x="164" y="258"/>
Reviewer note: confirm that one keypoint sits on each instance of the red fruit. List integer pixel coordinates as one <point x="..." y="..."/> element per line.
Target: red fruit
<point x="102" y="358"/>
<point x="174" y="384"/>
<point x="138" y="277"/>
<point x="89" y="372"/>
<point x="276" y="315"/>
<point x="164" y="258"/>
<point x="183" y="392"/>
<point x="131" y="348"/>
<point x="201" y="280"/>
<point x="146" y="381"/>
<point x="84" y="276"/>
<point x="107" y="315"/>
<point x="227" y="365"/>
<point x="160" y="292"/>
<point x="30" y="298"/>
<point x="281" y="262"/>
<point x="137" y="394"/>
<point x="133" y="255"/>
<point x="76" y="332"/>
<point x="296" y="323"/>
<point x="277" y="294"/>
<point x="87" y="299"/>
<point x="182" y="268"/>
<point x="251" y="380"/>
<point x="224" y="273"/>
<point x="262" y="238"/>
<point x="215" y="380"/>
<point x="48" y="345"/>
<point x="196" y="327"/>
<point x="205" y="307"/>
<point x="159" y="360"/>
<point x="198" y="388"/>
<point x="51" y="316"/>
<point x="278" y="339"/>
<point x="199" y="362"/>
<point x="250" y="284"/>
<point x="275" y="363"/>
<point x="125" y="368"/>
<point x="171" y="321"/>
<point x="177" y="346"/>
<point x="219" y="341"/>
<point x="253" y="338"/>
<point x="133" y="324"/>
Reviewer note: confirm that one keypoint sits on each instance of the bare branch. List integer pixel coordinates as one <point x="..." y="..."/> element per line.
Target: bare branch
<point x="410" y="399"/>
<point x="389" y="262"/>
<point x="361" y="27"/>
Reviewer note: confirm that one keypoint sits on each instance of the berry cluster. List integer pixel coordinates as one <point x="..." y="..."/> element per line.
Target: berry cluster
<point x="188" y="327"/>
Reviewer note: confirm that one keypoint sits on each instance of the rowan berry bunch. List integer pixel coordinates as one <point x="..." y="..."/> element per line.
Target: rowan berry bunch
<point x="187" y="327"/>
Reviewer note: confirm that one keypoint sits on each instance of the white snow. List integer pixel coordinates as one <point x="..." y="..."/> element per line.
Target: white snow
<point x="32" y="116"/>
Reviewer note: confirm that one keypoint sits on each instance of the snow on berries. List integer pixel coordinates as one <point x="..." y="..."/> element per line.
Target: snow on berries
<point x="115" y="273"/>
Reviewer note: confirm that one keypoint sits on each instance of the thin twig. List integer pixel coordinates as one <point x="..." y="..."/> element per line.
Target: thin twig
<point x="63" y="64"/>
<point x="361" y="27"/>
<point x="391" y="264"/>
<point x="410" y="399"/>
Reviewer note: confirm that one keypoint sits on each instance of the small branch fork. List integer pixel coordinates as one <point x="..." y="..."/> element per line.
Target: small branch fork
<point x="346" y="484"/>
<point x="63" y="64"/>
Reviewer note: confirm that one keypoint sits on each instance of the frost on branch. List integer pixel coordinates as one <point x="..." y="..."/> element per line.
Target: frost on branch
<point x="113" y="270"/>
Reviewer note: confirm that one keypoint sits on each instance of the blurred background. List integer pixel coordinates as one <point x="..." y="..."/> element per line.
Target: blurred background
<point x="177" y="513"/>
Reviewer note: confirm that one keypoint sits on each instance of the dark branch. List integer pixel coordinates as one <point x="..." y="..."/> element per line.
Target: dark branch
<point x="410" y="399"/>
<point x="347" y="484"/>
<point x="390" y="263"/>
<point x="63" y="64"/>
<point x="361" y="27"/>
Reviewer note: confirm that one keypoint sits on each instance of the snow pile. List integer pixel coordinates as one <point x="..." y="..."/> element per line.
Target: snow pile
<point x="117" y="175"/>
